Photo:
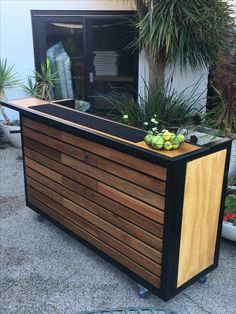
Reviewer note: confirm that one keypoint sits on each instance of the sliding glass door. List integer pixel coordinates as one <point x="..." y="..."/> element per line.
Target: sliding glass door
<point x="112" y="65"/>
<point x="89" y="52"/>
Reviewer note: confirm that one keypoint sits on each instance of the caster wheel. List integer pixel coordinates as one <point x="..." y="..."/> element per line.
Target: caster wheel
<point x="143" y="292"/>
<point x="203" y="279"/>
<point x="40" y="218"/>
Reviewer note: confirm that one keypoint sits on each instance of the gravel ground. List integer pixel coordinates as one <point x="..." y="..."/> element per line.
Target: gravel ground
<point x="44" y="270"/>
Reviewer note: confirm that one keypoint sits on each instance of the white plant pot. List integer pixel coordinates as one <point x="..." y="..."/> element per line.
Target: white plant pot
<point x="13" y="138"/>
<point x="229" y="231"/>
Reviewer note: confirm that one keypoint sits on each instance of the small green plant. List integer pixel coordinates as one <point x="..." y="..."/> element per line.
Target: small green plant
<point x="40" y="84"/>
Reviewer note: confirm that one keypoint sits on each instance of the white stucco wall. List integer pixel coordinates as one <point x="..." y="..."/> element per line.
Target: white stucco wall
<point x="16" y="41"/>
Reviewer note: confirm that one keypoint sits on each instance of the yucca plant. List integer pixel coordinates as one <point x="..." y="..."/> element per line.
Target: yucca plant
<point x="40" y="84"/>
<point x="8" y="78"/>
<point x="190" y="32"/>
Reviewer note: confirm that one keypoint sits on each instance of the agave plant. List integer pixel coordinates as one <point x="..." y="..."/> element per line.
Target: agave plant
<point x="7" y="79"/>
<point x="41" y="83"/>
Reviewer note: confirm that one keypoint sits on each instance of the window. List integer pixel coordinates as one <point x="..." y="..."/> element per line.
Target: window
<point x="89" y="52"/>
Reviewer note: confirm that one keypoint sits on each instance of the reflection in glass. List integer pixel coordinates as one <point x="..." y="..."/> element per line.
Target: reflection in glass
<point x="65" y="53"/>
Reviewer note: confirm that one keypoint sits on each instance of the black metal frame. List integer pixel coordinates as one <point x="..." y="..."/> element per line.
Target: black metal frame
<point x="176" y="171"/>
<point x="41" y="17"/>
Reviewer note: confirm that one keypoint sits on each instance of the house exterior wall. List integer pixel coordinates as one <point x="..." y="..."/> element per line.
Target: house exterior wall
<point x="16" y="41"/>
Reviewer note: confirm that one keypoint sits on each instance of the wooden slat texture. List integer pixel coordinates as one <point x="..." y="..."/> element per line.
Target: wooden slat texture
<point x="66" y="172"/>
<point x="124" y="260"/>
<point x="35" y="140"/>
<point x="125" y="232"/>
<point x="100" y="175"/>
<point x="108" y="202"/>
<point x="93" y="225"/>
<point x="67" y="187"/>
<point x="98" y="149"/>
<point x="202" y="197"/>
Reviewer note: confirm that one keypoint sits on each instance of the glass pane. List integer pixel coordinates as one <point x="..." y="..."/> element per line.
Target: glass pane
<point x="114" y="65"/>
<point x="65" y="52"/>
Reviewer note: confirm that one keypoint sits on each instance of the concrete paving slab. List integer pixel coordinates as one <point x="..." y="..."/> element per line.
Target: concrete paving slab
<point x="44" y="270"/>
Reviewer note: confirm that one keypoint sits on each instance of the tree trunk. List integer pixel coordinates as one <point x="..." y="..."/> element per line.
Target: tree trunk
<point x="156" y="70"/>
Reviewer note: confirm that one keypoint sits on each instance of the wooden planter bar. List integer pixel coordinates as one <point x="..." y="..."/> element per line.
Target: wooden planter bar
<point x="156" y="215"/>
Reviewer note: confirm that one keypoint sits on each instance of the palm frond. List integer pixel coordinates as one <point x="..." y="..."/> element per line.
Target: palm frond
<point x="190" y="31"/>
<point x="7" y="76"/>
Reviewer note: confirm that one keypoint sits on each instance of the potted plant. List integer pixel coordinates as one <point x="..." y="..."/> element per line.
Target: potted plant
<point x="229" y="223"/>
<point x="11" y="129"/>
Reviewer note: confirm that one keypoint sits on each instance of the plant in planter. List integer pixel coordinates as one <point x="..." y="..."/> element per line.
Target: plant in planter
<point x="8" y="78"/>
<point x="229" y="223"/>
<point x="173" y="109"/>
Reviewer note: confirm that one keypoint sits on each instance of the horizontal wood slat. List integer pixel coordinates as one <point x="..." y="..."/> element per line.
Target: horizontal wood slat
<point x="111" y="199"/>
<point x="66" y="188"/>
<point x="37" y="162"/>
<point x="35" y="140"/>
<point x="98" y="149"/>
<point x="100" y="175"/>
<point x="122" y="259"/>
<point x="99" y="233"/>
<point x="103" y="219"/>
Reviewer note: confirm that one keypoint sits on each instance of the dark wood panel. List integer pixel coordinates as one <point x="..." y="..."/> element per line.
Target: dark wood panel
<point x="35" y="140"/>
<point x="117" y="209"/>
<point x="122" y="230"/>
<point x="103" y="176"/>
<point x="43" y="183"/>
<point x="139" y="270"/>
<point x="36" y="161"/>
<point x="98" y="149"/>
<point x="91" y="227"/>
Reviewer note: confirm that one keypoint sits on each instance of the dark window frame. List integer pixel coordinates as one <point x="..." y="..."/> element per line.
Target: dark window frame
<point x="40" y="18"/>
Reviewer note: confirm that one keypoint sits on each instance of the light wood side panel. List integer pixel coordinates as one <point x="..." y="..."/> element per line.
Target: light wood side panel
<point x="37" y="141"/>
<point x="122" y="259"/>
<point x="73" y="191"/>
<point x="202" y="197"/>
<point x="98" y="149"/>
<point x="27" y="102"/>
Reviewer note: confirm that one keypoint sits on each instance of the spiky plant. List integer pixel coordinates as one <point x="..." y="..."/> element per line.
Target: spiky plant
<point x="41" y="83"/>
<point x="171" y="109"/>
<point x="7" y="79"/>
<point x="190" y="32"/>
